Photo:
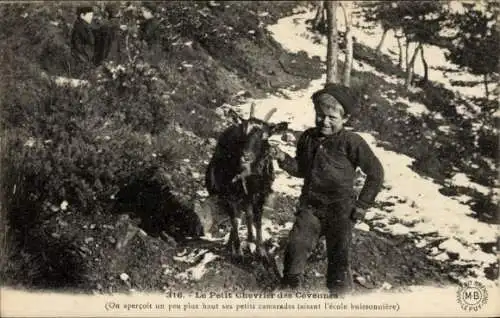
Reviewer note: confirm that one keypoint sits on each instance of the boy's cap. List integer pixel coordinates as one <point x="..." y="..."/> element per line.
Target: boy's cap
<point x="83" y="10"/>
<point x="151" y="6"/>
<point x="338" y="92"/>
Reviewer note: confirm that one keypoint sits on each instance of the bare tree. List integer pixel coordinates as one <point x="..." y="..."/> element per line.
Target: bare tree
<point x="347" y="10"/>
<point x="379" y="46"/>
<point x="424" y="63"/>
<point x="319" y="18"/>
<point x="410" y="64"/>
<point x="332" y="47"/>
<point x="400" y="50"/>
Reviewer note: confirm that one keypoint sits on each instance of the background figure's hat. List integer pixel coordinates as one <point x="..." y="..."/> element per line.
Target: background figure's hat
<point x="341" y="93"/>
<point x="151" y="6"/>
<point x="84" y="10"/>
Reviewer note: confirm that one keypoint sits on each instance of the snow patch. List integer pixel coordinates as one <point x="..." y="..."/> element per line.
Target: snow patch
<point x="71" y="82"/>
<point x="414" y="108"/>
<point x="198" y="271"/>
<point x="461" y="180"/>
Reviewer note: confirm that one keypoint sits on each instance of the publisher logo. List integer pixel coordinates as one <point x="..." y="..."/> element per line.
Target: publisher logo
<point x="472" y="296"/>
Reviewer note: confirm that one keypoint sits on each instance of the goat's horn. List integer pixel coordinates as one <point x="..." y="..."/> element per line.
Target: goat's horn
<point x="268" y="115"/>
<point x="252" y="110"/>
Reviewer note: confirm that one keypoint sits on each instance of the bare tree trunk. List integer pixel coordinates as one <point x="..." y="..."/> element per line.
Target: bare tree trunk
<point x="400" y="57"/>
<point x="407" y="59"/>
<point x="485" y="79"/>
<point x="410" y="66"/>
<point x="379" y="46"/>
<point x="319" y="18"/>
<point x="349" y="44"/>
<point x="332" y="47"/>
<point x="426" y="66"/>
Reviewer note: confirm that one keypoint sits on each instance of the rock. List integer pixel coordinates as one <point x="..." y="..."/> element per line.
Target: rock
<point x="202" y="193"/>
<point x="64" y="205"/>
<point x="196" y="175"/>
<point x="220" y="111"/>
<point x="434" y="251"/>
<point x="316" y="274"/>
<point x="130" y="232"/>
<point x="84" y="250"/>
<point x="270" y="202"/>
<point x="204" y="212"/>
<point x="88" y="240"/>
<point x="168" y="271"/>
<point x="369" y="215"/>
<point x="168" y="239"/>
<point x="452" y="246"/>
<point x="442" y="257"/>
<point x="111" y="239"/>
<point x="362" y="227"/>
<point x="210" y="214"/>
<point x="361" y="280"/>
<point x="212" y="142"/>
<point x="422" y="243"/>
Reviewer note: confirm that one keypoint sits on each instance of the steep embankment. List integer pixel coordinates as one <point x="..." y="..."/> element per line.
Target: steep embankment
<point x="84" y="166"/>
<point x="432" y="233"/>
<point x="157" y="164"/>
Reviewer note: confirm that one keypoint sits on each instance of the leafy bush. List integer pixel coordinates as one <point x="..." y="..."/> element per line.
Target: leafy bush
<point x="70" y="150"/>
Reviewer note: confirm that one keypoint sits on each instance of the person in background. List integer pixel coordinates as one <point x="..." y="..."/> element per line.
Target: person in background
<point x="105" y="35"/>
<point x="82" y="36"/>
<point x="149" y="25"/>
<point x="327" y="157"/>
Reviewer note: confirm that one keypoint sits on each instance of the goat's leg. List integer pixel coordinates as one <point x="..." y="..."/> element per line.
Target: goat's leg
<point x="234" y="239"/>
<point x="261" y="251"/>
<point x="250" y="223"/>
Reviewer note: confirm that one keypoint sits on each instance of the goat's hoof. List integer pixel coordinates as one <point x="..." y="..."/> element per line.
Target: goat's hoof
<point x="251" y="247"/>
<point x="238" y="256"/>
<point x="236" y="252"/>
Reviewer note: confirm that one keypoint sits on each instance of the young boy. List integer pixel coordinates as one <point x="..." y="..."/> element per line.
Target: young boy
<point x="82" y="36"/>
<point x="327" y="157"/>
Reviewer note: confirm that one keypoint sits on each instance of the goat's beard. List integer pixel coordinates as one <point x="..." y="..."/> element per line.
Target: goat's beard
<point x="246" y="170"/>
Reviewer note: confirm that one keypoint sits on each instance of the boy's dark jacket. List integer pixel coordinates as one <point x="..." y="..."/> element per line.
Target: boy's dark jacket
<point x="328" y="166"/>
<point x="82" y="40"/>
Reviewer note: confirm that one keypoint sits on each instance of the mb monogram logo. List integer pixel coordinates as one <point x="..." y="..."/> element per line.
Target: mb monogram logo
<point x="472" y="296"/>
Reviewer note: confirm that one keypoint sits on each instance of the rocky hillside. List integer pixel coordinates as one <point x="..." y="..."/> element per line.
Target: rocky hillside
<point x="89" y="154"/>
<point x="103" y="168"/>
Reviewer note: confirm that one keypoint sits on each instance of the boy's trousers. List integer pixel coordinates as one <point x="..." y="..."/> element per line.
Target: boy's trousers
<point x="311" y="222"/>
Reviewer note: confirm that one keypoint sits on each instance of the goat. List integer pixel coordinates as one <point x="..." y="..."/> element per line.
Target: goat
<point x="241" y="174"/>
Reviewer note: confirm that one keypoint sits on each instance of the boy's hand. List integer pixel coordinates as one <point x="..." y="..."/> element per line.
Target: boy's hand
<point x="277" y="153"/>
<point x="358" y="214"/>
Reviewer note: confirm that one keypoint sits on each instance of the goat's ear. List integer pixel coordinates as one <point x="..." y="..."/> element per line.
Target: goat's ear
<point x="234" y="116"/>
<point x="278" y="128"/>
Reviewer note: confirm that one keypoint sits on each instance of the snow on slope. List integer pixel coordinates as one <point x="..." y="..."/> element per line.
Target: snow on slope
<point x="419" y="209"/>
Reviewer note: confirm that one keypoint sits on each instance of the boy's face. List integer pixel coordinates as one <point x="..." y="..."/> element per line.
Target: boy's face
<point x="146" y="13"/>
<point x="87" y="17"/>
<point x="329" y="118"/>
